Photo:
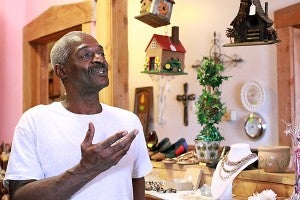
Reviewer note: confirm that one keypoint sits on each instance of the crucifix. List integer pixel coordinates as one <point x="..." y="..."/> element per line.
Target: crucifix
<point x="185" y="98"/>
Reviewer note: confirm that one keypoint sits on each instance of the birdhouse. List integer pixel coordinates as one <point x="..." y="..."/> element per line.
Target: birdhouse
<point x="156" y="13"/>
<point x="165" y="55"/>
<point x="251" y="26"/>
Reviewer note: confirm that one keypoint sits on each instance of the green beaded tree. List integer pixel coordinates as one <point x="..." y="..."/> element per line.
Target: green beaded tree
<point x="210" y="108"/>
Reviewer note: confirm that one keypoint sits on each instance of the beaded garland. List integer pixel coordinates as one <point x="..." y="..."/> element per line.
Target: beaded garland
<point x="235" y="165"/>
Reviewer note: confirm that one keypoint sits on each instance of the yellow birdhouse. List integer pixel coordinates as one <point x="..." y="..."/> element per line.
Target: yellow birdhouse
<point x="156" y="13"/>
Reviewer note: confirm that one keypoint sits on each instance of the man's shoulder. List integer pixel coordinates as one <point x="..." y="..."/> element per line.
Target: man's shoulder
<point x="41" y="108"/>
<point x="112" y="108"/>
<point x="117" y="110"/>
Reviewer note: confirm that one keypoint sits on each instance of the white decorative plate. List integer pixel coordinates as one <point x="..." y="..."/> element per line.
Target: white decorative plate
<point x="252" y="95"/>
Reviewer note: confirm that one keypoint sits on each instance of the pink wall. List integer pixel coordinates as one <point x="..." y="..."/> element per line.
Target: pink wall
<point x="12" y="20"/>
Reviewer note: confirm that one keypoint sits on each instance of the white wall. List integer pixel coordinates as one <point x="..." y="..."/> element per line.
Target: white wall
<point x="197" y="20"/>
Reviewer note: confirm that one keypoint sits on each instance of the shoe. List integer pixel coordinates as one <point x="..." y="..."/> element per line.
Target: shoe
<point x="176" y="149"/>
<point x="158" y="156"/>
<point x="162" y="146"/>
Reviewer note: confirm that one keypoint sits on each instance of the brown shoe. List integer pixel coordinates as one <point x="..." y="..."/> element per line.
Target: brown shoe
<point x="158" y="156"/>
<point x="151" y="153"/>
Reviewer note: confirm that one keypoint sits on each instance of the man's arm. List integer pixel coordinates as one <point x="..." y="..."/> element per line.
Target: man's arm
<point x="96" y="158"/>
<point x="138" y="188"/>
<point x="58" y="187"/>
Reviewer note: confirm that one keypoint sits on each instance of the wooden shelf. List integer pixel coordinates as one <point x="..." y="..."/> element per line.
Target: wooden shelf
<point x="166" y="73"/>
<point x="153" y="20"/>
<point x="251" y="43"/>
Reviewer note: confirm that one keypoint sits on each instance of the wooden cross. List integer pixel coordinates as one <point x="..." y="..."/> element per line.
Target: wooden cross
<point x="185" y="98"/>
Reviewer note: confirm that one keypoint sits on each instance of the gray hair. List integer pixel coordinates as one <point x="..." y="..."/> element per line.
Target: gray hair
<point x="62" y="49"/>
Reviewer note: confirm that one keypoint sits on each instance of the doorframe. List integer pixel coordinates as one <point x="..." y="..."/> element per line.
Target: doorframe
<point x="48" y="27"/>
<point x="287" y="24"/>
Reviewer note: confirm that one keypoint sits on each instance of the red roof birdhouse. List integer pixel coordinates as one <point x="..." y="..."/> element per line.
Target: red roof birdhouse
<point x="165" y="55"/>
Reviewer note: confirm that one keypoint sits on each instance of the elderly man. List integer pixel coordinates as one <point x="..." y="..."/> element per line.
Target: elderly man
<point x="78" y="148"/>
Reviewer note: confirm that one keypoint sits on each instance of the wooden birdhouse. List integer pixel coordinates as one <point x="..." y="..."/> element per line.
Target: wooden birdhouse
<point x="165" y="55"/>
<point x="156" y="13"/>
<point x="251" y="26"/>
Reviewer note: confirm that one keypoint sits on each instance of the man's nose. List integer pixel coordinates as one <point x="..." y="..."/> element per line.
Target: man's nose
<point x="98" y="57"/>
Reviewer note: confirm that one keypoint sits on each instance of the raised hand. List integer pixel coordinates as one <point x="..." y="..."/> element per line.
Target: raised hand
<point x="99" y="157"/>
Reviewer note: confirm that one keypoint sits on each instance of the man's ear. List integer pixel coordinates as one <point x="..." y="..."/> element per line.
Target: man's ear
<point x="60" y="71"/>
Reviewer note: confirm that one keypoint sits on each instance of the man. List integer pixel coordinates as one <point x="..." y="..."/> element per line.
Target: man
<point x="78" y="148"/>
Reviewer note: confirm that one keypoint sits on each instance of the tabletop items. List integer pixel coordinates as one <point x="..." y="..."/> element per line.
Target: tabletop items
<point x="4" y="155"/>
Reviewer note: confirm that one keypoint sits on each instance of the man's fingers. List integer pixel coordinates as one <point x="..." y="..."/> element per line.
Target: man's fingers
<point x="121" y="147"/>
<point x="114" y="138"/>
<point x="127" y="139"/>
<point x="89" y="136"/>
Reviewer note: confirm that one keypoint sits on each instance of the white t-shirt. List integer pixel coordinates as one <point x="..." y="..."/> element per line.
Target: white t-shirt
<point x="47" y="142"/>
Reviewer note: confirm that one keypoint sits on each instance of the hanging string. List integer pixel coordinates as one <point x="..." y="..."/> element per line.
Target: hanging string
<point x="166" y="30"/>
<point x="164" y="87"/>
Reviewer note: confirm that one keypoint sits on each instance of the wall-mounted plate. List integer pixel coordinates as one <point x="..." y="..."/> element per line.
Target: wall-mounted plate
<point x="252" y="95"/>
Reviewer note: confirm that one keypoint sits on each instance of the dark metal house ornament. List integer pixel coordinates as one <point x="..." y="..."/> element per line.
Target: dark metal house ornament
<point x="216" y="54"/>
<point x="251" y="26"/>
<point x="184" y="99"/>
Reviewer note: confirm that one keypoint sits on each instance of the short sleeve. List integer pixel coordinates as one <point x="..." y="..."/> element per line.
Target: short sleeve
<point x="142" y="164"/>
<point x="23" y="161"/>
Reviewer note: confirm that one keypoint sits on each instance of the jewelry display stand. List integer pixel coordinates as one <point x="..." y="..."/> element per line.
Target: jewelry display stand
<point x="237" y="159"/>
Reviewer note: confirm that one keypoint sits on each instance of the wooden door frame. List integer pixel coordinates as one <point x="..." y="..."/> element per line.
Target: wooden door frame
<point x="287" y="24"/>
<point x="112" y="33"/>
<point x="48" y="27"/>
<point x="111" y="30"/>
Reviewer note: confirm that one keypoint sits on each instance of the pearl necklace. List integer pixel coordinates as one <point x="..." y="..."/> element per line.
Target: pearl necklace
<point x="235" y="165"/>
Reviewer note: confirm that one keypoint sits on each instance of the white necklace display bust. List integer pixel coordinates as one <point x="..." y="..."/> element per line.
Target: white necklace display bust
<point x="237" y="159"/>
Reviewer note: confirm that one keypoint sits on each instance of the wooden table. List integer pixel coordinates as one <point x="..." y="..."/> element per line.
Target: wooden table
<point x="245" y="184"/>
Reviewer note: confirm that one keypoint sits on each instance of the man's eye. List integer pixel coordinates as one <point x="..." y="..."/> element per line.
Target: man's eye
<point x="86" y="55"/>
<point x="101" y="53"/>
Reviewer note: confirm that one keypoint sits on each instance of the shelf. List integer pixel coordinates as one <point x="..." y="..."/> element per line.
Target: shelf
<point x="166" y="73"/>
<point x="153" y="20"/>
<point x="251" y="43"/>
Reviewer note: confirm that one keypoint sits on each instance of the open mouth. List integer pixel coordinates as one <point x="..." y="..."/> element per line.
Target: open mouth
<point x="99" y="70"/>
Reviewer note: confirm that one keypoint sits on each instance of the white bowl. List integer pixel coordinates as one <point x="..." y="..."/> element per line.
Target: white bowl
<point x="274" y="158"/>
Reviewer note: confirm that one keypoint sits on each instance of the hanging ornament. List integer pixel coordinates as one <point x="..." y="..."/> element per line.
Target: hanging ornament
<point x="251" y="26"/>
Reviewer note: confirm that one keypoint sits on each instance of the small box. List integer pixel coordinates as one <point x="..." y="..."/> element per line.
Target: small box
<point x="193" y="175"/>
<point x="179" y="185"/>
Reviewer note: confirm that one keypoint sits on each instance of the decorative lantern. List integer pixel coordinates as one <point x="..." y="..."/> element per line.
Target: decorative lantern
<point x="251" y="26"/>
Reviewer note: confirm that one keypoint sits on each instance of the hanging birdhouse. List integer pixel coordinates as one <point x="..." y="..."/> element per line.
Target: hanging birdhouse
<point x="156" y="13"/>
<point x="165" y="55"/>
<point x="251" y="26"/>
